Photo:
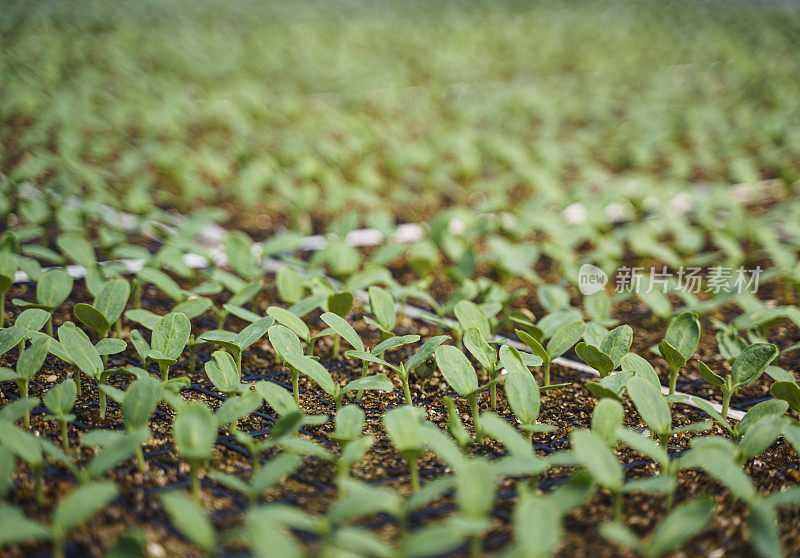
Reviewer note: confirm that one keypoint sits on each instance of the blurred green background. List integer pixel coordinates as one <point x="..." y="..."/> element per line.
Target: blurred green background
<point x="300" y="110"/>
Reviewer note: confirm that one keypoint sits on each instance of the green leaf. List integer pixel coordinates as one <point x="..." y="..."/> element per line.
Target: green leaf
<point x="457" y="370"/>
<point x="315" y="371"/>
<point x="144" y="317"/>
<point x="11" y="337"/>
<point x="633" y="363"/>
<point x="344" y="329"/>
<point x="221" y="370"/>
<point x="617" y="343"/>
<point x="53" y="287"/>
<point x="762" y="527"/>
<point x="607" y="419"/>
<point x="683" y="334"/>
<point x="424" y="352"/>
<point x="92" y="317"/>
<point x="115" y="452"/>
<point x="563" y="339"/>
<point x="772" y="407"/>
<point x="140" y="401"/>
<point x="195" y="431"/>
<point x="77" y="249"/>
<point x="404" y="427"/>
<point x="673" y="357"/>
<point x="651" y="405"/>
<point x="349" y="424"/>
<point x="80" y="350"/>
<point x="621" y="535"/>
<point x="340" y="303"/>
<point x="110" y="346"/>
<point x="377" y="382"/>
<point x="521" y="388"/>
<point x="721" y="466"/>
<point x="112" y="298"/>
<point x="787" y="391"/>
<point x="190" y="520"/>
<point x="193" y="307"/>
<point x="286" y="318"/>
<point x="171" y="334"/>
<point x="290" y="284"/>
<point x="30" y="361"/>
<point x="32" y="319"/>
<point x="537" y="525"/>
<point x="534" y="345"/>
<point x="484" y="353"/>
<point x="680" y="525"/>
<point x="470" y="315"/>
<point x="81" y="504"/>
<point x="253" y="332"/>
<point x="751" y="362"/>
<point x="276" y="397"/>
<point x="60" y="398"/>
<point x="393" y="342"/>
<point x="644" y="445"/>
<point x="595" y="358"/>
<point x="15" y="528"/>
<point x="591" y="451"/>
<point x="474" y="493"/>
<point x="382" y="306"/>
<point x="275" y="471"/>
<point x="23" y="444"/>
<point x="709" y="376"/>
<point x="760" y="435"/>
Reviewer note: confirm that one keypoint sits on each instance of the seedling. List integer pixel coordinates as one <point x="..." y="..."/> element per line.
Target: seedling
<point x="263" y="479"/>
<point x="679" y="344"/>
<point x="52" y="289"/>
<point x="108" y="306"/>
<point x="461" y="377"/>
<point x="404" y="427"/>
<point x="71" y="512"/>
<point x="381" y="305"/>
<point x="747" y="368"/>
<point x="522" y="392"/>
<point x="29" y="363"/>
<point x="222" y="371"/>
<point x="521" y="461"/>
<point x="561" y="342"/>
<point x="138" y="403"/>
<point x="608" y="356"/>
<point x="404" y="369"/>
<point x="475" y="494"/>
<point x="237" y="343"/>
<point x="591" y="451"/>
<point x="191" y="521"/>
<point x="169" y="338"/>
<point x="297" y="325"/>
<point x="60" y="399"/>
<point x="470" y="315"/>
<point x="680" y="525"/>
<point x="195" y="431"/>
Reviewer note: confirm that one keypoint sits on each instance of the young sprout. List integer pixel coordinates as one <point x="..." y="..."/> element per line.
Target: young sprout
<point x="677" y="527"/>
<point x="195" y="431"/>
<point x="469" y="315"/>
<point x="52" y="289"/>
<point x="296" y="325"/>
<point x="75" y="509"/>
<point x="461" y="377"/>
<point x="404" y="427"/>
<point x="29" y="363"/>
<point x="561" y="342"/>
<point x="338" y="304"/>
<point x="522" y="392"/>
<point x="608" y="356"/>
<point x="381" y="305"/>
<point x="486" y="355"/>
<point x="138" y="404"/>
<point x="59" y="400"/>
<point x="12" y="337"/>
<point x="191" y="521"/>
<point x="347" y="433"/>
<point x="107" y="309"/>
<point x="679" y="343"/>
<point x="475" y="493"/>
<point x="263" y="478"/>
<point x="592" y="452"/>
<point x="222" y="371"/>
<point x="747" y="368"/>
<point x="521" y="461"/>
<point x="237" y="343"/>
<point x="23" y="444"/>
<point x="169" y="338"/>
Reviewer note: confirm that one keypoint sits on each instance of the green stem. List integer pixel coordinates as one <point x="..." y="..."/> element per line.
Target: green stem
<point x="164" y="367"/>
<point x="140" y="459"/>
<point x="618" y="506"/>
<point x="413" y="467"/>
<point x="475" y="547"/>
<point x="64" y="435"/>
<point x="493" y="392"/>
<point x="239" y="362"/>
<point x="102" y="400"/>
<point x="194" y="471"/>
<point x="23" y="390"/>
<point x="118" y="328"/>
<point x="726" y="402"/>
<point x="546" y="369"/>
<point x="37" y="474"/>
<point x="364" y="370"/>
<point x="76" y="376"/>
<point x="473" y="405"/>
<point x="296" y="386"/>
<point x="336" y="343"/>
<point x="50" y="325"/>
<point x="58" y="547"/>
<point x="190" y="348"/>
<point x="311" y="342"/>
<point x="673" y="380"/>
<point x="406" y="390"/>
<point x="529" y="436"/>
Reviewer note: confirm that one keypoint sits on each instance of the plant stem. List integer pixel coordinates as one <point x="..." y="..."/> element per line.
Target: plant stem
<point x="140" y="459"/>
<point x="310" y="343"/>
<point x="413" y="467"/>
<point x="2" y="310"/>
<point x="726" y="401"/>
<point x="296" y="386"/>
<point x="37" y="473"/>
<point x="164" y="367"/>
<point x="529" y="436"/>
<point x="336" y="343"/>
<point x="64" y="435"/>
<point x="190" y="348"/>
<point x="618" y="506"/>
<point x="50" y="325"/>
<point x="406" y="390"/>
<point x="364" y="370"/>
<point x="76" y="376"/>
<point x="546" y="369"/>
<point x="475" y="547"/>
<point x="102" y="401"/>
<point x="493" y="391"/>
<point x="473" y="405"/>
<point x="58" y="547"/>
<point x="23" y="391"/>
<point x="239" y="362"/>
<point x="673" y="380"/>
<point x="118" y="328"/>
<point x="195" y="473"/>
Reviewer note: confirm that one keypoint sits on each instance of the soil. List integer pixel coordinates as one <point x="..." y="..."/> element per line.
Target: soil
<point x="312" y="486"/>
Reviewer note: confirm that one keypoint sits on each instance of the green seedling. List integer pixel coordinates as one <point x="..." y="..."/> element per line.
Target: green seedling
<point x="561" y="342"/>
<point x="521" y="460"/>
<point x="222" y="371"/>
<point x="237" y="343"/>
<point x="461" y="377"/>
<point x="677" y="527"/>
<point x="297" y="325"/>
<point x="263" y="479"/>
<point x="59" y="400"/>
<point x="475" y="493"/>
<point x="404" y="369"/>
<point x="287" y="345"/>
<point x="486" y="355"/>
<point x="404" y="427"/>
<point x="195" y="431"/>
<point x="169" y="338"/>
<point x="52" y="289"/>
<point x="381" y="305"/>
<point x="786" y="388"/>
<point x="29" y="363"/>
<point x="592" y="452"/>
<point x="679" y="344"/>
<point x="747" y="368"/>
<point x="522" y="392"/>
<point x="469" y="315"/>
<point x="32" y="320"/>
<point x="23" y="444"/>
<point x="608" y="355"/>
<point x="107" y="309"/>
<point x="75" y="509"/>
<point x="138" y="404"/>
